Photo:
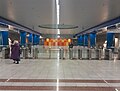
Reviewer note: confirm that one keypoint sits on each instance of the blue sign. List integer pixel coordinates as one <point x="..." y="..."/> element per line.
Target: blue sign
<point x="92" y="39"/>
<point x="4" y="38"/>
<point x="110" y="40"/>
<point x="23" y="38"/>
<point x="80" y="40"/>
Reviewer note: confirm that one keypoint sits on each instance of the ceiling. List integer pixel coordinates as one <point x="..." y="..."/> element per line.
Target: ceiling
<point x="83" y="13"/>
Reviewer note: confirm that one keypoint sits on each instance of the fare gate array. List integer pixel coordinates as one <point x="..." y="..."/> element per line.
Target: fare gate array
<point x="27" y="53"/>
<point x="72" y="53"/>
<point x="85" y="53"/>
<point x="92" y="54"/>
<point x="81" y="53"/>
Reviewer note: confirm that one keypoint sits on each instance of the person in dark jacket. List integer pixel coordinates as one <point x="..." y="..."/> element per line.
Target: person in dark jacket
<point x="15" y="52"/>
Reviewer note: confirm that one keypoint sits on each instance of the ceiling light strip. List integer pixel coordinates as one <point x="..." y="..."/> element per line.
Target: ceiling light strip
<point x="58" y="14"/>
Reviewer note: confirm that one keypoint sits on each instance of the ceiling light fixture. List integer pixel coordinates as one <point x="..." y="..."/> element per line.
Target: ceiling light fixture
<point x="58" y="26"/>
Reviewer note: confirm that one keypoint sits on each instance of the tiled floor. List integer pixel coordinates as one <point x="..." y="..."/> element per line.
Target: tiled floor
<point x="60" y="75"/>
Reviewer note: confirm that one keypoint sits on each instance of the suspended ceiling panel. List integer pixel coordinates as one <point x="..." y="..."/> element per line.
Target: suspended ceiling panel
<point x="84" y="13"/>
<point x="88" y="13"/>
<point x="30" y="13"/>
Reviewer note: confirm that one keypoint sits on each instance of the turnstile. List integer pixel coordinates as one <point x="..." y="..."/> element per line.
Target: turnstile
<point x="85" y="53"/>
<point x="24" y="52"/>
<point x="7" y="53"/>
<point x="108" y="55"/>
<point x="79" y="53"/>
<point x="30" y="52"/>
<point x="35" y="53"/>
<point x="94" y="54"/>
<point x="70" y="53"/>
<point x="75" y="52"/>
<point x="61" y="53"/>
<point x="118" y="54"/>
<point x="98" y="54"/>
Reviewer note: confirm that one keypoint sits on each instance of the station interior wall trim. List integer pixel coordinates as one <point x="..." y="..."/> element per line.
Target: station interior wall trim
<point x="19" y="26"/>
<point x="102" y="25"/>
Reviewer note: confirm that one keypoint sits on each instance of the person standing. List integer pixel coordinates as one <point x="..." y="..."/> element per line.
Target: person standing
<point x="15" y="52"/>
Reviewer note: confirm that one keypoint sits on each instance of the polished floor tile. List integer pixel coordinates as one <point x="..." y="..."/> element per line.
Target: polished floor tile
<point x="59" y="75"/>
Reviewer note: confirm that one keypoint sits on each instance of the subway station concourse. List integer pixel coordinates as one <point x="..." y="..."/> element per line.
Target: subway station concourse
<point x="64" y="45"/>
